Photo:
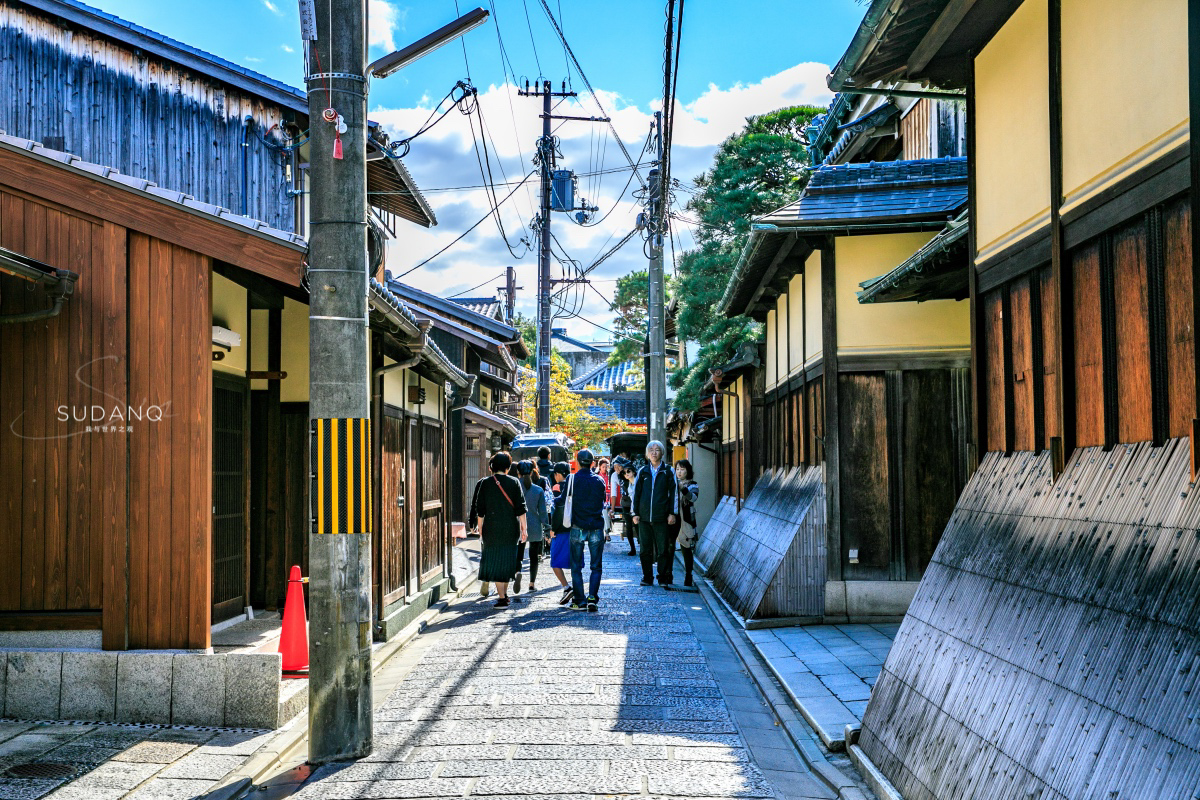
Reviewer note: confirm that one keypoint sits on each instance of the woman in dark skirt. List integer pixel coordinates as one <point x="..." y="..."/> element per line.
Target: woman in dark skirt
<point x="499" y="511"/>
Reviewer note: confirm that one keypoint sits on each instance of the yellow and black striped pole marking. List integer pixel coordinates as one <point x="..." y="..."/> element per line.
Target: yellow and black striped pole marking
<point x="341" y="460"/>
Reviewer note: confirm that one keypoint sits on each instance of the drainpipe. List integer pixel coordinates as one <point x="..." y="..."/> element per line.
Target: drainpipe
<point x="246" y="123"/>
<point x="65" y="288"/>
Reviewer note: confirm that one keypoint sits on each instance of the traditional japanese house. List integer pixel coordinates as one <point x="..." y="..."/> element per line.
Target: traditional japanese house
<point x="890" y="430"/>
<point x="1051" y="648"/>
<point x="189" y="324"/>
<point x="614" y="392"/>
<point x="488" y="349"/>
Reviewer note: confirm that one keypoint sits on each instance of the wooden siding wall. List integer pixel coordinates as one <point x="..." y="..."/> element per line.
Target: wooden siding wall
<point x="1131" y="303"/>
<point x="933" y="129"/>
<point x="78" y="92"/>
<point x="117" y="520"/>
<point x="170" y="468"/>
<point x="794" y="426"/>
<point x="55" y="519"/>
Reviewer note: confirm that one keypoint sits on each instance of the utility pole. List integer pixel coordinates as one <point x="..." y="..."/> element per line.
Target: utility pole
<point x="656" y="379"/>
<point x="339" y="707"/>
<point x="545" y="151"/>
<point x="510" y="294"/>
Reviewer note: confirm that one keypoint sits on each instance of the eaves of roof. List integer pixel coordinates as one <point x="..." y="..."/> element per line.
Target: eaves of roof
<point x="506" y="334"/>
<point x="395" y="311"/>
<point x="490" y="420"/>
<point x="938" y="271"/>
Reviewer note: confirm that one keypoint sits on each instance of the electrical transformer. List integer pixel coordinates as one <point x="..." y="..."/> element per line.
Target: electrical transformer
<point x="562" y="190"/>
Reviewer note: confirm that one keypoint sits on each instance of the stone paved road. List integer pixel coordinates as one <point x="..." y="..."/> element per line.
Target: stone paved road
<point x="542" y="703"/>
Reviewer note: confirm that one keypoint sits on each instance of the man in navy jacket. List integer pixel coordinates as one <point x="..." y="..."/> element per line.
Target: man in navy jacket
<point x="654" y="508"/>
<point x="587" y="528"/>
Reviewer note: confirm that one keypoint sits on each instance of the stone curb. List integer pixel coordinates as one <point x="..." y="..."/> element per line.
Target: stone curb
<point x="284" y="745"/>
<point x="809" y="750"/>
<point x="878" y="782"/>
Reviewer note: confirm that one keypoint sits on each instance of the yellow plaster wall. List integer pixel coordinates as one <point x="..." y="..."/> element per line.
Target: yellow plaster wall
<point x="230" y="310"/>
<point x="795" y="309"/>
<point x="1012" y="129"/>
<point x="812" y="306"/>
<point x="294" y="353"/>
<point x="780" y="356"/>
<point x="1125" y="88"/>
<point x="732" y="430"/>
<point x="772" y="347"/>
<point x="485" y="398"/>
<point x="937" y="323"/>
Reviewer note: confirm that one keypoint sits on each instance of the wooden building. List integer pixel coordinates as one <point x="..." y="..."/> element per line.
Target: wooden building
<point x="144" y="538"/>
<point x="1050" y="647"/>
<point x="487" y="349"/>
<point x="890" y="431"/>
<point x="128" y="466"/>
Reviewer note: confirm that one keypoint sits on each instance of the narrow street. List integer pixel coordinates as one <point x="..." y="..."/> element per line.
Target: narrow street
<point x="536" y="701"/>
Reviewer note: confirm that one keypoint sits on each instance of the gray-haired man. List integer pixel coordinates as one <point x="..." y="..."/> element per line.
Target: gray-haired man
<point x="653" y="510"/>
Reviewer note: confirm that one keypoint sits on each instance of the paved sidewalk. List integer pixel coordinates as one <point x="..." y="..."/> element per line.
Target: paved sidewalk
<point x="644" y="698"/>
<point x="110" y="761"/>
<point x="827" y="670"/>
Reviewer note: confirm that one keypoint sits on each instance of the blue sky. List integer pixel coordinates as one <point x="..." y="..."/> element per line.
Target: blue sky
<point x="738" y="58"/>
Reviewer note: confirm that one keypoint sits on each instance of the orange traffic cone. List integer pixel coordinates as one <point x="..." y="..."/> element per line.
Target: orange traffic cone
<point x="293" y="640"/>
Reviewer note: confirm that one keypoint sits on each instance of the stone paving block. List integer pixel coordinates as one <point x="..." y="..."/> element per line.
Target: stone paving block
<point x="82" y="754"/>
<point x="572" y="752"/>
<point x="27" y="747"/>
<point x="184" y="735"/>
<point x="13" y="789"/>
<point x="433" y="787"/>
<point x="118" y="737"/>
<point x="680" y="726"/>
<point x="521" y="769"/>
<point x="459" y="751"/>
<point x="252" y="690"/>
<point x="558" y="784"/>
<point x="90" y="682"/>
<point x="118" y="775"/>
<point x="32" y="685"/>
<point x="144" y="687"/>
<point x="720" y="753"/>
<point x="686" y="739"/>
<point x="203" y="766"/>
<point x="198" y="687"/>
<point x="236" y="743"/>
<point x="689" y="786"/>
<point x="156" y="752"/>
<point x="172" y="789"/>
<point x="700" y="770"/>
<point x="73" y="791"/>
<point x="524" y="735"/>
<point x="375" y="771"/>
<point x="10" y="729"/>
<point x="805" y="684"/>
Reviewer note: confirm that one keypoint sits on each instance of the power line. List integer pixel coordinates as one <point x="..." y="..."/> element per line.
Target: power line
<point x="476" y="286"/>
<point x="462" y="235"/>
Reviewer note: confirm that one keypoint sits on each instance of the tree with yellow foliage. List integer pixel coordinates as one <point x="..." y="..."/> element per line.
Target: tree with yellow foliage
<point x="569" y="413"/>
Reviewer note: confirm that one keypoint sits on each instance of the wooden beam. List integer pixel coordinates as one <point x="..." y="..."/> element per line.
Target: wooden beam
<point x="138" y="211"/>
<point x="114" y="508"/>
<point x="978" y="444"/>
<point x="829" y="343"/>
<point x="769" y="274"/>
<point x="1194" y="196"/>
<point x="945" y="25"/>
<point x="1060" y="267"/>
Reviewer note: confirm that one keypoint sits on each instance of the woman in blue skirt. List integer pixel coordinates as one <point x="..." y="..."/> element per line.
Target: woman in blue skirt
<point x="560" y="545"/>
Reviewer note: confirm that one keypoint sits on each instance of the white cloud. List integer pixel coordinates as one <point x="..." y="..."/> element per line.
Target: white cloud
<point x="253" y="59"/>
<point x="445" y="157"/>
<point x="383" y="19"/>
<point x="274" y="9"/>
<point x="286" y="48"/>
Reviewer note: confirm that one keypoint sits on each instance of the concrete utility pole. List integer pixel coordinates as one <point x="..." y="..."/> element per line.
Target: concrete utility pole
<point x="510" y="294"/>
<point x="656" y="377"/>
<point x="339" y="708"/>
<point x="545" y="149"/>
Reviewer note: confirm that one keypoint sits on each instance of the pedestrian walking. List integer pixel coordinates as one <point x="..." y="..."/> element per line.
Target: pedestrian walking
<point x="498" y="510"/>
<point x="543" y="461"/>
<point x="536" y="525"/>
<point x="602" y="471"/>
<point x="560" y="542"/>
<point x="582" y="502"/>
<point x="653" y="512"/>
<point x="628" y="529"/>
<point x="687" y="492"/>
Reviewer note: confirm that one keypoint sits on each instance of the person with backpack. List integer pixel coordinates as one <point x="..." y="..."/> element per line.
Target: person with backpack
<point x="560" y="540"/>
<point x="538" y="523"/>
<point x="653" y="511"/>
<point x="582" y="504"/>
<point x="498" y="510"/>
<point x="687" y="491"/>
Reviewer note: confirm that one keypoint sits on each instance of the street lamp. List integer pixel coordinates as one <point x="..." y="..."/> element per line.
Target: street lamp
<point x="392" y="62"/>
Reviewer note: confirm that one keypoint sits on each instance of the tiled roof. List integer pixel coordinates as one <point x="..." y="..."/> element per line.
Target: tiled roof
<point x="418" y="297"/>
<point x="607" y="378"/>
<point x="166" y="196"/>
<point x="630" y="409"/>
<point x="487" y="306"/>
<point x="389" y="304"/>
<point x="877" y="192"/>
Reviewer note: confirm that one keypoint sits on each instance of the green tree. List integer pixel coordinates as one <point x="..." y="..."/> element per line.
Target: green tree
<point x="631" y="299"/>
<point x="569" y="413"/>
<point x="528" y="330"/>
<point x="757" y="170"/>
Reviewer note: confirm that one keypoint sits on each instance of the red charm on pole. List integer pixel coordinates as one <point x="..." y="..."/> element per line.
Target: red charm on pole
<point x="293" y="640"/>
